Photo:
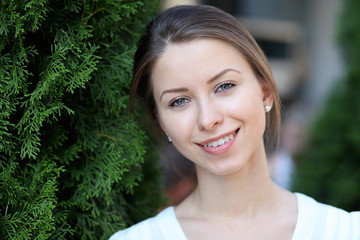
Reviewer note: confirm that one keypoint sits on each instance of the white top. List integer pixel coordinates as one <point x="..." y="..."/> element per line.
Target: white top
<point x="316" y="221"/>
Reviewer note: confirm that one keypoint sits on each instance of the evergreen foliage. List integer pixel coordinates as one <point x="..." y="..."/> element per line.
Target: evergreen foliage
<point x="329" y="167"/>
<point x="71" y="157"/>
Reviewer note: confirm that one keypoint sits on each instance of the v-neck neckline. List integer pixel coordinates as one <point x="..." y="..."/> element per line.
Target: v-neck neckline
<point x="304" y="226"/>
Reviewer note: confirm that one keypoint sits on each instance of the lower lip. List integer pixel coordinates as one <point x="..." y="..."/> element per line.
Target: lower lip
<point x="219" y="149"/>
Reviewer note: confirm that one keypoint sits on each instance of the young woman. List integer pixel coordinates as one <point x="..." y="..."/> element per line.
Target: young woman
<point x="208" y="87"/>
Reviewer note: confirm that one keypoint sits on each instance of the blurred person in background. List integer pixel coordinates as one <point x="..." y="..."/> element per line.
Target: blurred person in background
<point x="281" y="164"/>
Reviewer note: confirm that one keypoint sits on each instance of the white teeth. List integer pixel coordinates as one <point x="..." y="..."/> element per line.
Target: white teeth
<point x="220" y="142"/>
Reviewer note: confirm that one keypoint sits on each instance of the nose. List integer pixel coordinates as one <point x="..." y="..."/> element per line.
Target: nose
<point x="210" y="116"/>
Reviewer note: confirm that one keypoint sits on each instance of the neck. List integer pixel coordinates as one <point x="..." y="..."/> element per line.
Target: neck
<point x="248" y="191"/>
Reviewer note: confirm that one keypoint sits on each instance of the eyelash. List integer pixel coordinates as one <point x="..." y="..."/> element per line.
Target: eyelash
<point x="228" y="84"/>
<point x="175" y="103"/>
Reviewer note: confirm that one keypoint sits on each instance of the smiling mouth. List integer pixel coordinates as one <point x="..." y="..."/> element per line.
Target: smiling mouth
<point x="221" y="141"/>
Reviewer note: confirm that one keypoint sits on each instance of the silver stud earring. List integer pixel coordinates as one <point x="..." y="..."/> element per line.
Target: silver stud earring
<point x="267" y="108"/>
<point x="169" y="139"/>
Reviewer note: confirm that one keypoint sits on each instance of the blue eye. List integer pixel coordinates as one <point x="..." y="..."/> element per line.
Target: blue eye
<point x="224" y="87"/>
<point x="178" y="102"/>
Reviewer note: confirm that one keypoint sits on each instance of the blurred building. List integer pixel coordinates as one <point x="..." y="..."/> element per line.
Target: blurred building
<point x="169" y="3"/>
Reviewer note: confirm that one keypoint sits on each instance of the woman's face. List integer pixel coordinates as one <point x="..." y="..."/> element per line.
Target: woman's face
<point x="211" y="104"/>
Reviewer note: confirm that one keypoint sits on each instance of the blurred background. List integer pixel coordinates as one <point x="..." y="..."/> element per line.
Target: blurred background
<point x="300" y="40"/>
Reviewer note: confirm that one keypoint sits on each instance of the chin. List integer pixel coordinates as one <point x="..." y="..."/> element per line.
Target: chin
<point x="228" y="169"/>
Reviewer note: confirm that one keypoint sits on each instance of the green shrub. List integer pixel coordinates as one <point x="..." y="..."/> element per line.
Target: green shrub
<point x="71" y="156"/>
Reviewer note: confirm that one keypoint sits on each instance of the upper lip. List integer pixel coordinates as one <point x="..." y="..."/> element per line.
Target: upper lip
<point x="217" y="138"/>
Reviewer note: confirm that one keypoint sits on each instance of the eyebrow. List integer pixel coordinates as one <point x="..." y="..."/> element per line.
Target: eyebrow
<point x="214" y="78"/>
<point x="173" y="90"/>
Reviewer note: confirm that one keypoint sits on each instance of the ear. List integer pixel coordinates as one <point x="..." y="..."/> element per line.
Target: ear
<point x="268" y="97"/>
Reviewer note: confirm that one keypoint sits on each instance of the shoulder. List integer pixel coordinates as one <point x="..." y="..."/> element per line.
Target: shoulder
<point x="322" y="221"/>
<point x="157" y="227"/>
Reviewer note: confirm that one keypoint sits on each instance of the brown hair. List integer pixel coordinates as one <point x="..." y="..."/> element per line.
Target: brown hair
<point x="185" y="23"/>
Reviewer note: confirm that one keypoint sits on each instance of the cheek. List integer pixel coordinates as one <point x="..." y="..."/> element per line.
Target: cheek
<point x="178" y="125"/>
<point x="248" y="108"/>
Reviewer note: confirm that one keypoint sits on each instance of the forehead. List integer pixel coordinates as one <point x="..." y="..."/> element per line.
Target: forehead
<point x="195" y="60"/>
<point x="197" y="51"/>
